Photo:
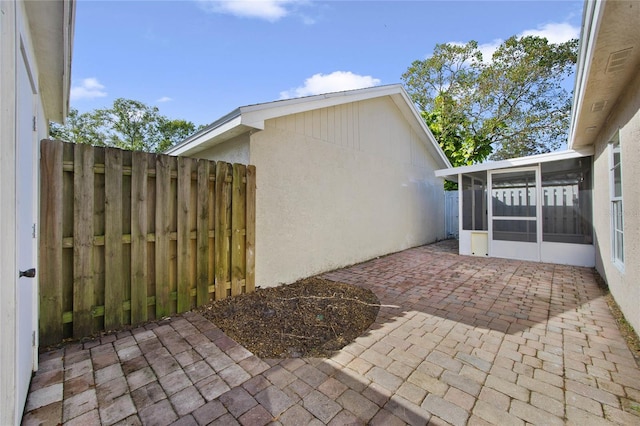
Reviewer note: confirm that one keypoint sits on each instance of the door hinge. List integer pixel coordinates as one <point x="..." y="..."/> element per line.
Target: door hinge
<point x="33" y="338"/>
<point x="34" y="123"/>
<point x="33" y="231"/>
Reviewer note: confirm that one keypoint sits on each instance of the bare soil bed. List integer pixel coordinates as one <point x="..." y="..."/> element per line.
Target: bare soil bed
<point x="311" y="318"/>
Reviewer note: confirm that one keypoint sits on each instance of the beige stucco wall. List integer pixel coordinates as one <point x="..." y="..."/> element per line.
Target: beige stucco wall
<point x="234" y="150"/>
<point x="341" y="185"/>
<point x="623" y="284"/>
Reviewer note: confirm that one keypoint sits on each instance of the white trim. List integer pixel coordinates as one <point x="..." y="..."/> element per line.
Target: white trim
<point x="183" y="149"/>
<point x="616" y="202"/>
<point x="590" y="26"/>
<point x="526" y="248"/>
<point x="254" y="117"/>
<point x="519" y="162"/>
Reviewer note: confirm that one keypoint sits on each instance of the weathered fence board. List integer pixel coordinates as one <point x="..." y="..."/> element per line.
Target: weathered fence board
<point x="238" y="265"/>
<point x="223" y="205"/>
<point x="139" y="255"/>
<point x="114" y="286"/>
<point x="128" y="237"/>
<point x="250" y="237"/>
<point x="83" y="277"/>
<point x="51" y="235"/>
<point x="202" y="234"/>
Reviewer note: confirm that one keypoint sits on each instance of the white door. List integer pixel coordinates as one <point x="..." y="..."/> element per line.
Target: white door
<point x="26" y="190"/>
<point x="514" y="225"/>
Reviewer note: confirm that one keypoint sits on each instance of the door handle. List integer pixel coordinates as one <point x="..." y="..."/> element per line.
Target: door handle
<point x="29" y="273"/>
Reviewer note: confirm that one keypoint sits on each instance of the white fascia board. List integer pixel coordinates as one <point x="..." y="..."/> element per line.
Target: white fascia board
<point x="418" y="118"/>
<point x="69" y="30"/>
<point x="592" y="15"/>
<point x="256" y="115"/>
<point x="518" y="162"/>
<point x="195" y="144"/>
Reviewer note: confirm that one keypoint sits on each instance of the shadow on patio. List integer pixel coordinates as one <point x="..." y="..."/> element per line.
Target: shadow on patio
<point x="459" y="340"/>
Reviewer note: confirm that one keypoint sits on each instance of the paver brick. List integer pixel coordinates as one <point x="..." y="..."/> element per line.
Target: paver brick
<point x="234" y="375"/>
<point x="44" y="396"/>
<point x="358" y="404"/>
<point x="89" y="418"/>
<point x="428" y="383"/>
<point x="383" y="378"/>
<point x="445" y="410"/>
<point x="208" y="412"/>
<point x="332" y="388"/>
<point x="320" y="406"/>
<point x="461" y="382"/>
<point x="238" y="401"/>
<point x="578" y="417"/>
<point x="274" y="400"/>
<point x="533" y="415"/>
<point x="592" y="393"/>
<point x="257" y="416"/>
<point x="186" y="400"/>
<point x="79" y="404"/>
<point x="311" y="375"/>
<point x="161" y="413"/>
<point x="542" y="387"/>
<point x="508" y="388"/>
<point x="411" y="413"/>
<point x="494" y="415"/>
<point x="279" y="376"/>
<point x="583" y="403"/>
<point x="212" y="387"/>
<point x="117" y="409"/>
<point x="296" y="415"/>
<point x="548" y="404"/>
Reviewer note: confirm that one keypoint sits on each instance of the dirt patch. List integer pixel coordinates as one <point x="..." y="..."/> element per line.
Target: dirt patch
<point x="310" y="318"/>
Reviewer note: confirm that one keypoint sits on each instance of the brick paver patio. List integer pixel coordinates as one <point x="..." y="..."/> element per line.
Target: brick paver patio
<point x="458" y="340"/>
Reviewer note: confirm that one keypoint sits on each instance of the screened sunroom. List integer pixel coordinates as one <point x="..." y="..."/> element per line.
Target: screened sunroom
<point x="535" y="208"/>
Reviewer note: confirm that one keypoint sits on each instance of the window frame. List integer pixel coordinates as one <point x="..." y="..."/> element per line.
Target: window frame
<point x="616" y="201"/>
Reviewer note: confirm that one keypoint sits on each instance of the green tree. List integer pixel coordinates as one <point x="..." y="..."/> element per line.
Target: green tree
<point x="128" y="124"/>
<point x="510" y="106"/>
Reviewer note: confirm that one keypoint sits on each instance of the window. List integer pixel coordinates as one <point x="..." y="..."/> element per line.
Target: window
<point x="474" y="203"/>
<point x="566" y="201"/>
<point x="514" y="204"/>
<point x="617" y="216"/>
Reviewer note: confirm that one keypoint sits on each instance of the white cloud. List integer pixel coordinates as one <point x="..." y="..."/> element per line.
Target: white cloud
<point x="269" y="10"/>
<point x="164" y="99"/>
<point x="337" y="81"/>
<point x="89" y="88"/>
<point x="554" y="33"/>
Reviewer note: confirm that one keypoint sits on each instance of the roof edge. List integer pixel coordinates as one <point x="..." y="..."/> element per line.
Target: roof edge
<point x="518" y="162"/>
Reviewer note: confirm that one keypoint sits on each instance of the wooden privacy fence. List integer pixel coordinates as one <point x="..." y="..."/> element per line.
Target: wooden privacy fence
<point x="127" y="237"/>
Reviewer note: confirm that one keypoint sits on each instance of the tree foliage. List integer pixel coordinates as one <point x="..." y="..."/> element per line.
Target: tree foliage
<point x="128" y="124"/>
<point x="511" y="105"/>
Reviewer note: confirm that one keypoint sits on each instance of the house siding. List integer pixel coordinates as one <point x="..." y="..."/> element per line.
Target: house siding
<point x="234" y="150"/>
<point x="16" y="42"/>
<point x="623" y="283"/>
<point x="341" y="185"/>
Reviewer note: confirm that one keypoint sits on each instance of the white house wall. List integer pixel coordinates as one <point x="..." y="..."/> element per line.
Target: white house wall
<point x="234" y="150"/>
<point x="341" y="185"/>
<point x="622" y="284"/>
<point x="15" y="41"/>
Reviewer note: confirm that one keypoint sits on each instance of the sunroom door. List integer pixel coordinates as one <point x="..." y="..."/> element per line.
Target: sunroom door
<point x="514" y="224"/>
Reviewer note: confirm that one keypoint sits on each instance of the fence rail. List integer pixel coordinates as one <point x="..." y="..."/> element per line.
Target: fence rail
<point x="127" y="237"/>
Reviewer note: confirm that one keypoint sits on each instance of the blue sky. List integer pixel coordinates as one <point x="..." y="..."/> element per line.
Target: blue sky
<point x="198" y="60"/>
